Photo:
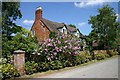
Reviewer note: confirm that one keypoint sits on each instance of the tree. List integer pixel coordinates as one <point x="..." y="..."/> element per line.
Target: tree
<point x="10" y="13"/>
<point x="20" y="41"/>
<point x="105" y="27"/>
<point x="71" y="25"/>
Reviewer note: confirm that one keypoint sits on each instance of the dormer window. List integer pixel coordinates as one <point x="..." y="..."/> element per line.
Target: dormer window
<point x="64" y="30"/>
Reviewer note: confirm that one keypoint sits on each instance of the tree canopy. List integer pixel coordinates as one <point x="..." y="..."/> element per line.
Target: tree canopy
<point x="21" y="40"/>
<point x="105" y="27"/>
<point x="71" y="25"/>
<point x="10" y="13"/>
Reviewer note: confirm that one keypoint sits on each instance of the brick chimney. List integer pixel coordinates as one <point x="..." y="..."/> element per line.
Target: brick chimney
<point x="38" y="14"/>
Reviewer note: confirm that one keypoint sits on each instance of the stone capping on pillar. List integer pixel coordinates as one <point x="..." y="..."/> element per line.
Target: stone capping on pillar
<point x="19" y="61"/>
<point x="19" y="51"/>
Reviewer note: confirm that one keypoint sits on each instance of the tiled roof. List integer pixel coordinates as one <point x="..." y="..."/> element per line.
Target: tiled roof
<point x="53" y="26"/>
<point x="71" y="29"/>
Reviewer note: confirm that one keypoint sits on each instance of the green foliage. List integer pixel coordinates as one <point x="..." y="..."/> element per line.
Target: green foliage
<point x="45" y="66"/>
<point x="31" y="67"/>
<point x="8" y="71"/>
<point x="63" y="47"/>
<point x="118" y="39"/>
<point x="71" y="25"/>
<point x="21" y="41"/>
<point x="55" y="65"/>
<point x="67" y="63"/>
<point x="85" y="56"/>
<point x="101" y="56"/>
<point x="112" y="53"/>
<point x="10" y="13"/>
<point x="105" y="28"/>
<point x="77" y="60"/>
<point x="3" y="61"/>
<point x="89" y="40"/>
<point x="53" y="35"/>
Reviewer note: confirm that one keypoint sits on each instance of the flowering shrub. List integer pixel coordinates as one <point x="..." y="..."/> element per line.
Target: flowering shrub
<point x="57" y="52"/>
<point x="63" y="47"/>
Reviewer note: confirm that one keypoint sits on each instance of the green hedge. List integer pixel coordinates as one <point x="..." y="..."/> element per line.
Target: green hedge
<point x="84" y="57"/>
<point x="68" y="61"/>
<point x="31" y="67"/>
<point x="8" y="71"/>
<point x="112" y="53"/>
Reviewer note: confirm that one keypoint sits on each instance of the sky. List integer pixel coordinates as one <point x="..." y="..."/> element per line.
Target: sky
<point x="76" y="13"/>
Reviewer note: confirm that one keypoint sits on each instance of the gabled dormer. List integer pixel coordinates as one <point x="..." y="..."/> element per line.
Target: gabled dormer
<point x="63" y="29"/>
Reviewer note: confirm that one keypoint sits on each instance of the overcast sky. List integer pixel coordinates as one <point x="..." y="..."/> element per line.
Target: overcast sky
<point x="76" y="13"/>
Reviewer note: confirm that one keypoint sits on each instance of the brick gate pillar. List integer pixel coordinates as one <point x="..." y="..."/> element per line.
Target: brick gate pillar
<point x="19" y="61"/>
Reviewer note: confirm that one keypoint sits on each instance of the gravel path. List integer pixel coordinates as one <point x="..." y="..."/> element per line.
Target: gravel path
<point x="104" y="69"/>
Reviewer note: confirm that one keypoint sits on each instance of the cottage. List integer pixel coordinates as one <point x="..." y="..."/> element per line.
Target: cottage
<point x="42" y="27"/>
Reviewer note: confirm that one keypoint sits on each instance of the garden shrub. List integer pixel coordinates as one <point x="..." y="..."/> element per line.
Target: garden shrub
<point x="45" y="66"/>
<point x="100" y="56"/>
<point x="9" y="71"/>
<point x="107" y="55"/>
<point x="55" y="65"/>
<point x="62" y="47"/>
<point x="3" y="61"/>
<point x="31" y="67"/>
<point x="20" y="41"/>
<point x="57" y="52"/>
<point x="85" y="56"/>
<point x="112" y="53"/>
<point x="82" y="59"/>
<point x="89" y="57"/>
<point x="52" y="65"/>
<point x="78" y="60"/>
<point x="67" y="63"/>
<point x="58" y="65"/>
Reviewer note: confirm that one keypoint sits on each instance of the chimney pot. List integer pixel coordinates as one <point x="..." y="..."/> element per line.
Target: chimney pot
<point x="39" y="8"/>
